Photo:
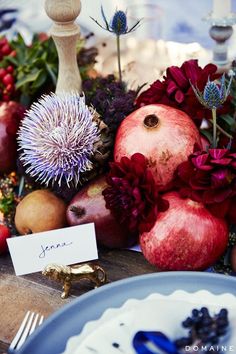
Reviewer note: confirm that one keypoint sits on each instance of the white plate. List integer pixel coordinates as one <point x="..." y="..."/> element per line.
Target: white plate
<point x="157" y="312"/>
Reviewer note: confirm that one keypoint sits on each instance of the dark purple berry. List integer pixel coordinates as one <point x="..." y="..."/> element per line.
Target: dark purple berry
<point x="204" y="311"/>
<point x="188" y="322"/>
<point x="195" y="313"/>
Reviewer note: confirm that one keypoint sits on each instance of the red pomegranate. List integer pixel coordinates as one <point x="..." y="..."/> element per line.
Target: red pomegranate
<point x="11" y="114"/>
<point x="185" y="237"/>
<point x="165" y="135"/>
<point x="88" y="205"/>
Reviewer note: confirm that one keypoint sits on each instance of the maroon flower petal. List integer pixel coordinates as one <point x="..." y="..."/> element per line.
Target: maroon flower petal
<point x="216" y="195"/>
<point x="217" y="154"/>
<point x="179" y="96"/>
<point x="132" y="195"/>
<point x="210" y="69"/>
<point x="220" y="178"/>
<point x="191" y="70"/>
<point x="175" y="90"/>
<point x="223" y="162"/>
<point x="185" y="192"/>
<point x="185" y="171"/>
<point x="200" y="162"/>
<point x="177" y="74"/>
<point x="219" y="209"/>
<point x="171" y="88"/>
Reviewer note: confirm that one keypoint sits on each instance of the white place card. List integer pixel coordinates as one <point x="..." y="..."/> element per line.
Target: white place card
<point x="31" y="253"/>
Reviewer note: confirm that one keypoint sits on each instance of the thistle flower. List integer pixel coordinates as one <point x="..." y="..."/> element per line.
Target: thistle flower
<point x="118" y="23"/>
<point x="212" y="98"/>
<point x="213" y="95"/>
<point x="118" y="26"/>
<point x="57" y="138"/>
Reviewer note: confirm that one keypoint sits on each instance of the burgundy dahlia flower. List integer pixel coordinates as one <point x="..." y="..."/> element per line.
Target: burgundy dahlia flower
<point x="210" y="178"/>
<point x="132" y="195"/>
<point x="176" y="91"/>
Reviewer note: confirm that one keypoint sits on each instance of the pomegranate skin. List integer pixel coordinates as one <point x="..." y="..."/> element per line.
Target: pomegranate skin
<point x="11" y="114"/>
<point x="166" y="141"/>
<point x="88" y="205"/>
<point x="185" y="237"/>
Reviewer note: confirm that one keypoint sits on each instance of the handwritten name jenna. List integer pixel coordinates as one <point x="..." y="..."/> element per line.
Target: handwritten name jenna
<point x="49" y="248"/>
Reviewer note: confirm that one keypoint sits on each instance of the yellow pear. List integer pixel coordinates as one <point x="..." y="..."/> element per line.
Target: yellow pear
<point x="40" y="211"/>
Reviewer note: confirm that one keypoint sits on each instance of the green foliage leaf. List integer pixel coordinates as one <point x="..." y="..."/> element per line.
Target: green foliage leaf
<point x="36" y="66"/>
<point x="41" y="79"/>
<point x="31" y="77"/>
<point x="51" y="73"/>
<point x="208" y="135"/>
<point x="228" y="119"/>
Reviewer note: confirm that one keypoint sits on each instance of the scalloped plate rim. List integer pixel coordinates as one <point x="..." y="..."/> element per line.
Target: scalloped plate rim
<point x="177" y="295"/>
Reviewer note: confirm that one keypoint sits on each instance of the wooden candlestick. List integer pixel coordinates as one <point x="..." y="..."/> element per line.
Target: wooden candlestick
<point x="65" y="34"/>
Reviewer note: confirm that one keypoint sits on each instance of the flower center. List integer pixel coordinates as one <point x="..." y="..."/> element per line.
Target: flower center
<point x="151" y="121"/>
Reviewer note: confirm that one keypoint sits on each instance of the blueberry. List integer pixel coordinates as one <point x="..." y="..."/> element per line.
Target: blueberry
<point x="207" y="321"/>
<point x="214" y="340"/>
<point x="203" y="330"/>
<point x="204" y="311"/>
<point x="222" y="322"/>
<point x="188" y="322"/>
<point x="221" y="331"/>
<point x="195" y="313"/>
<point x="223" y="313"/>
<point x="204" y="339"/>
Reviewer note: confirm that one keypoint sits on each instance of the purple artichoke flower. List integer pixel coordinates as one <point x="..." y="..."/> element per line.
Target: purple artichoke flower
<point x="56" y="139"/>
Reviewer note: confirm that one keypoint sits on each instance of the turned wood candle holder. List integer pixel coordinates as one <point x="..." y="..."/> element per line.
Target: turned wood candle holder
<point x="65" y="34"/>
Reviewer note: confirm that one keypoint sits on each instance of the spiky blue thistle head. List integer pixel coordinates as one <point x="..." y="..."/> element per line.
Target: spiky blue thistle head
<point x="214" y="95"/>
<point x="56" y="139"/>
<point x="119" y="23"/>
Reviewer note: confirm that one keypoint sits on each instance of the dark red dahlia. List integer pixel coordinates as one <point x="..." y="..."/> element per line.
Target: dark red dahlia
<point x="210" y="178"/>
<point x="176" y="91"/>
<point x="132" y="195"/>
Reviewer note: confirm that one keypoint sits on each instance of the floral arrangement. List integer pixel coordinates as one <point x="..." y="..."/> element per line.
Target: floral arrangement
<point x="160" y="165"/>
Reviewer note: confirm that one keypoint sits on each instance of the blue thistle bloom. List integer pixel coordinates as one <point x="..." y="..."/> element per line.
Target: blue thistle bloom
<point x="213" y="95"/>
<point x="118" y="26"/>
<point x="119" y="23"/>
<point x="57" y="138"/>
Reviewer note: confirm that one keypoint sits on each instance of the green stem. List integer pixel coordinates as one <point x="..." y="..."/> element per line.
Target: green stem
<point x="214" y="127"/>
<point x="222" y="130"/>
<point x="118" y="56"/>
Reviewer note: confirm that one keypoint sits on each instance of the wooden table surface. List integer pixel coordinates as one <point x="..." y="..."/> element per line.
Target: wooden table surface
<point x="37" y="293"/>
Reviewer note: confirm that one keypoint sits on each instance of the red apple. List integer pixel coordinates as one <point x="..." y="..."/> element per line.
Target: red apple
<point x="11" y="114"/>
<point x="165" y="135"/>
<point x="185" y="237"/>
<point x="4" y="234"/>
<point x="89" y="206"/>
